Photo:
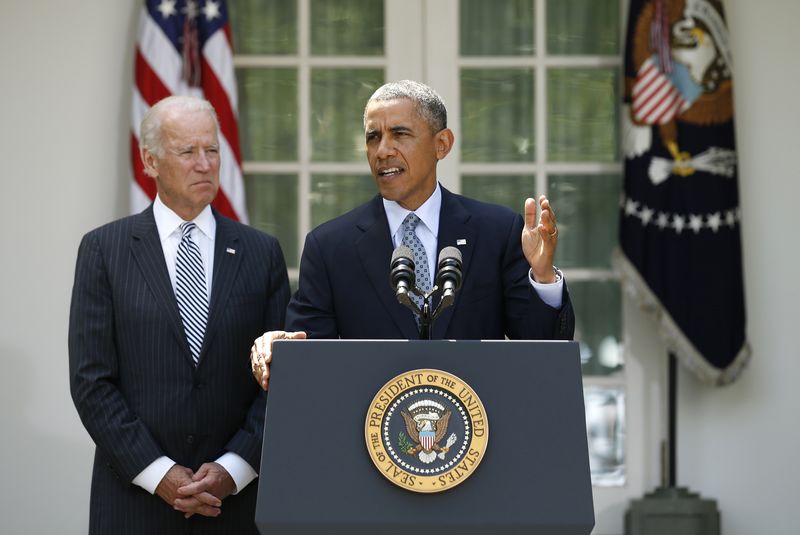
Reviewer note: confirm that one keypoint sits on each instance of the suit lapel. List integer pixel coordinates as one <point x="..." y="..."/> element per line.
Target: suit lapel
<point x="149" y="255"/>
<point x="227" y="258"/>
<point x="456" y="229"/>
<point x="375" y="251"/>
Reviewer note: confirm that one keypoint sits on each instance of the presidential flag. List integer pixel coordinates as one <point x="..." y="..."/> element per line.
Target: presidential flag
<point x="680" y="220"/>
<point x="184" y="48"/>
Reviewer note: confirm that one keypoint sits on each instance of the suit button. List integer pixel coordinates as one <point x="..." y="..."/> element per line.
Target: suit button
<point x="199" y="385"/>
<point x="190" y="439"/>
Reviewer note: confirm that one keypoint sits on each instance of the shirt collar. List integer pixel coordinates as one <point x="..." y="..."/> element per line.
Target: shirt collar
<point x="428" y="213"/>
<point x="168" y="222"/>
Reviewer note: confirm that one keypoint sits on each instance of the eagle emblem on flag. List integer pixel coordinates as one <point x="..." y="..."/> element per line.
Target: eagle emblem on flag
<point x="683" y="75"/>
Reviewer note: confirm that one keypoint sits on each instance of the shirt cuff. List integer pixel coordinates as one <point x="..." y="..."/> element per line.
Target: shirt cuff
<point x="549" y="293"/>
<point x="150" y="477"/>
<point x="239" y="469"/>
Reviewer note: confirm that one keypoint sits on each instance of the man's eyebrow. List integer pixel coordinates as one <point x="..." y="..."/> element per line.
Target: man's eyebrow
<point x="400" y="129"/>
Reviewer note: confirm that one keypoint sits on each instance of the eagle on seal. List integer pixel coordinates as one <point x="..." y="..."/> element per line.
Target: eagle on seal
<point x="426" y="427"/>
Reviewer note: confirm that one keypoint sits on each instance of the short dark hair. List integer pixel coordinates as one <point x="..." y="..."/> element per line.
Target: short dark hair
<point x="427" y="102"/>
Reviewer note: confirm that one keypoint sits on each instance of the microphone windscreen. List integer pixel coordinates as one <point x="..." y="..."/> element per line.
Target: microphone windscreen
<point x="402" y="251"/>
<point x="449" y="252"/>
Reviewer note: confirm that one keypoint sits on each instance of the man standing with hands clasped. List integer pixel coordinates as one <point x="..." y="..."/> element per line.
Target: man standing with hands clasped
<point x="510" y="286"/>
<point x="164" y="306"/>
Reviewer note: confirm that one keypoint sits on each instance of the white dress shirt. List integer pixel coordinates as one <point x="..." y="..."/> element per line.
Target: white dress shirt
<point x="168" y="224"/>
<point x="428" y="233"/>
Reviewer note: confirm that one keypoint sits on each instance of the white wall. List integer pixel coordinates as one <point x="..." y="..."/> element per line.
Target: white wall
<point x="64" y="97"/>
<point x="64" y="107"/>
<point x="740" y="444"/>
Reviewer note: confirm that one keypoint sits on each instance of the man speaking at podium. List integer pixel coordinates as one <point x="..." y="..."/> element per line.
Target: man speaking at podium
<point x="510" y="286"/>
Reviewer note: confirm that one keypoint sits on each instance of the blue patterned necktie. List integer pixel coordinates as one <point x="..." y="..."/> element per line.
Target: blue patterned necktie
<point x="421" y="271"/>
<point x="190" y="290"/>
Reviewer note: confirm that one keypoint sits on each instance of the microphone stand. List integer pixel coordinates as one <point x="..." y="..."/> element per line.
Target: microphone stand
<point x="426" y="318"/>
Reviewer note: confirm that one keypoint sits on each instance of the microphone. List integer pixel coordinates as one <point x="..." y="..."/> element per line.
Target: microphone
<point x="449" y="275"/>
<point x="401" y="275"/>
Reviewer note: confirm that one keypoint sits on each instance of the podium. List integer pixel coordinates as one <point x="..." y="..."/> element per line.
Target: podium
<point x="317" y="475"/>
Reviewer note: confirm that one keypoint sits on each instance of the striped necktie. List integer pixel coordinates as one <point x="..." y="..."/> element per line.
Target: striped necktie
<point x="421" y="271"/>
<point x="190" y="290"/>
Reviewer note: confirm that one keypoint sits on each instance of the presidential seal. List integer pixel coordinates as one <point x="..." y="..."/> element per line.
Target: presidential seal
<point x="426" y="430"/>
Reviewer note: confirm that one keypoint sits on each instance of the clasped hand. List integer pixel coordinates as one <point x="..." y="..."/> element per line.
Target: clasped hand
<point x="196" y="493"/>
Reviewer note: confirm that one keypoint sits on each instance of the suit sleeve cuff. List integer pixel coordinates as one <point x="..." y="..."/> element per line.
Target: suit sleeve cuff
<point x="549" y="293"/>
<point x="239" y="469"/>
<point x="150" y="477"/>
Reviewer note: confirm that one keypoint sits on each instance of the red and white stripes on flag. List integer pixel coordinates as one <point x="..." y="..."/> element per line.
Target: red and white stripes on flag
<point x="183" y="47"/>
<point x="656" y="100"/>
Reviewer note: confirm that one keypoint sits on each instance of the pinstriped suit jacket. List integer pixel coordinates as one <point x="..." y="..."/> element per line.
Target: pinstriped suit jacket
<point x="133" y="381"/>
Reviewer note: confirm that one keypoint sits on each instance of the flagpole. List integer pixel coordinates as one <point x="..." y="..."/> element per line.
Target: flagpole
<point x="672" y="444"/>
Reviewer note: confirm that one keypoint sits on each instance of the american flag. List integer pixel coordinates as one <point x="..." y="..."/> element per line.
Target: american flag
<point x="184" y="48"/>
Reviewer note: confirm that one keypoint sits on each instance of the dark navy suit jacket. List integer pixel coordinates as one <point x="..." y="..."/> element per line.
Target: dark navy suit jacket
<point x="133" y="380"/>
<point x="345" y="291"/>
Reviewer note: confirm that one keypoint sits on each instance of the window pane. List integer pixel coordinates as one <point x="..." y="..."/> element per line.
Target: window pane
<point x="346" y="27"/>
<point x="338" y="97"/>
<point x="268" y="113"/>
<point x="588" y="27"/>
<point x="598" y="325"/>
<point x="496" y="28"/>
<point x="506" y="190"/>
<point x="605" y="431"/>
<point x="582" y="115"/>
<point x="587" y="208"/>
<point x="497" y="115"/>
<point x="264" y="27"/>
<point x="272" y="207"/>
<point x="333" y="195"/>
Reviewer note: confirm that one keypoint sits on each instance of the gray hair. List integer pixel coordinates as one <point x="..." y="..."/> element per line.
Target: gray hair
<point x="150" y="130"/>
<point x="427" y="102"/>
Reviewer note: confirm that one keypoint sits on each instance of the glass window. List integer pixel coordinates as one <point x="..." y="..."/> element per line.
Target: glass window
<point x="264" y="27"/>
<point x="346" y="28"/>
<point x="496" y="28"/>
<point x="582" y="115"/>
<point x="497" y="115"/>
<point x="272" y="205"/>
<point x="301" y="107"/>
<point x="589" y="27"/>
<point x="598" y="324"/>
<point x="587" y="208"/>
<point x="268" y="113"/>
<point x="338" y="97"/>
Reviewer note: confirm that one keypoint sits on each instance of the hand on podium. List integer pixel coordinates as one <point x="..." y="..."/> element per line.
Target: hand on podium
<point x="261" y="353"/>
